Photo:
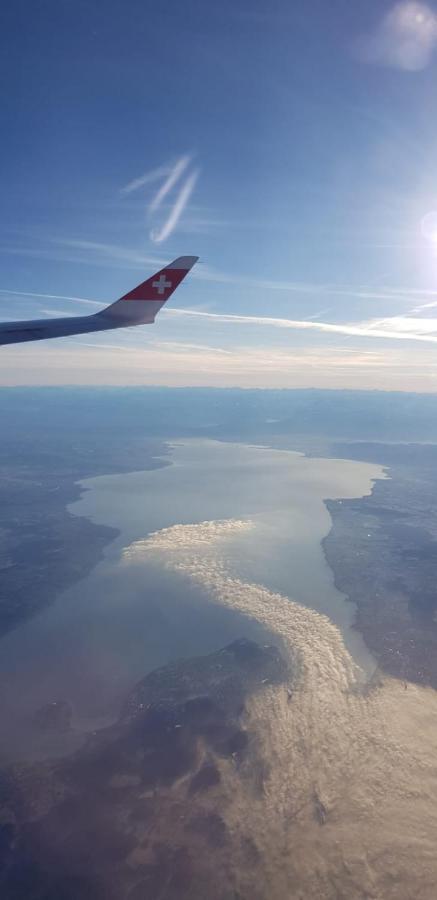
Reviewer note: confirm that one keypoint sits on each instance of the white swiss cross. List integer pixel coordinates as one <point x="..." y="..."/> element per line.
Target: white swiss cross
<point x="162" y="284"/>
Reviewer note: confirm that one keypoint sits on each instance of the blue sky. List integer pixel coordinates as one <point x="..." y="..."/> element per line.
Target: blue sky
<point x="291" y="145"/>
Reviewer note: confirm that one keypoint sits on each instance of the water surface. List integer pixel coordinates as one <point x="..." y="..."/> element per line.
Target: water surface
<point x="118" y="623"/>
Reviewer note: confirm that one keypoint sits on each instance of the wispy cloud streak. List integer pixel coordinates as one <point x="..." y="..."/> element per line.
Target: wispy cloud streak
<point x="173" y="178"/>
<point x="424" y="306"/>
<point x="114" y="255"/>
<point x="172" y="174"/>
<point x="147" y="178"/>
<point x="49" y="296"/>
<point x="96" y="362"/>
<point x="181" y="201"/>
<point x="389" y="328"/>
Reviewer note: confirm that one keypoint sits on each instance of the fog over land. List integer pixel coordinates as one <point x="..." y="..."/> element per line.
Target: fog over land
<point x="244" y="583"/>
<point x="366" y="755"/>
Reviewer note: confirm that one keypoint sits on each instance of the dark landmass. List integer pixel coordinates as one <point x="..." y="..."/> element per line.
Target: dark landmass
<point x="140" y="812"/>
<point x="383" y="552"/>
<point x="143" y="810"/>
<point x="230" y="413"/>
<point x="43" y="548"/>
<point x="54" y="716"/>
<point x="52" y="438"/>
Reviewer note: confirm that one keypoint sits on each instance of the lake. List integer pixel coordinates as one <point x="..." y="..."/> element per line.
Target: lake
<point x="112" y="627"/>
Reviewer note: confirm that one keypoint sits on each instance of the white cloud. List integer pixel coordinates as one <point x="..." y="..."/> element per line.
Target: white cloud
<point x="396" y="327"/>
<point x="405" y="38"/>
<point x="406" y="325"/>
<point x="424" y="306"/>
<point x="75" y="362"/>
<point x="161" y="234"/>
<point x="182" y="347"/>
<point x="148" y="178"/>
<point x="116" y="256"/>
<point x="174" y="175"/>
<point x="49" y="296"/>
<point x="349" y="746"/>
<point x="109" y="252"/>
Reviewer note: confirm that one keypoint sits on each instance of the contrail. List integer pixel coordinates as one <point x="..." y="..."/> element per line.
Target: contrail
<point x="181" y="201"/>
<point x="382" y="328"/>
<point x="175" y="174"/>
<point x="147" y="178"/>
<point x="50" y="296"/>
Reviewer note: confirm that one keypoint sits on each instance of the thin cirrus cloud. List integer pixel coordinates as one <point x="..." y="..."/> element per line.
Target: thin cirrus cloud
<point x="392" y="327"/>
<point x="92" y="362"/>
<point x="114" y="255"/>
<point x="405" y="38"/>
<point x="118" y="256"/>
<point x="50" y="296"/>
<point x="147" y="178"/>
<point x="161" y="234"/>
<point x="172" y="175"/>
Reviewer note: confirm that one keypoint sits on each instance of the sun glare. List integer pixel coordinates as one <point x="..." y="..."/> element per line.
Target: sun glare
<point x="428" y="227"/>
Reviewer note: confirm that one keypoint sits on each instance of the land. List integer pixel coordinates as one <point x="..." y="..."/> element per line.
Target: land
<point x="246" y="774"/>
<point x="383" y="552"/>
<point x="54" y="438"/>
<point x="141" y="811"/>
<point x="382" y="549"/>
<point x="252" y="772"/>
<point x="43" y="547"/>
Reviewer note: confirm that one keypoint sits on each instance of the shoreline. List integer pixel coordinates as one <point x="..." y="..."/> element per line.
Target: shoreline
<point x="45" y="549"/>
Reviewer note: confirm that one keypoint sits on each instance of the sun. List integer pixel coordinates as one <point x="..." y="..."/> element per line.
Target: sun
<point x="428" y="227"/>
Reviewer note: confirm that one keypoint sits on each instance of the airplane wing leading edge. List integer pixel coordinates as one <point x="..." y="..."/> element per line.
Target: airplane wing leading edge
<point x="140" y="306"/>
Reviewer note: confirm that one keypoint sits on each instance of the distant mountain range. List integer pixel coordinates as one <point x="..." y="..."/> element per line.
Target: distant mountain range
<point x="222" y="413"/>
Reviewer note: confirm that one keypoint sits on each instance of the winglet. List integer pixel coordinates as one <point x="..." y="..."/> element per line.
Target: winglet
<point x="143" y="303"/>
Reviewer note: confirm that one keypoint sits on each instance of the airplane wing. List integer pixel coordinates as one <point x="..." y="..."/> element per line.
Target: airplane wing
<point x="138" y="307"/>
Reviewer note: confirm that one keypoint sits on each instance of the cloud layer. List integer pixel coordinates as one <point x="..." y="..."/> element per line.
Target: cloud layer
<point x="322" y="739"/>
